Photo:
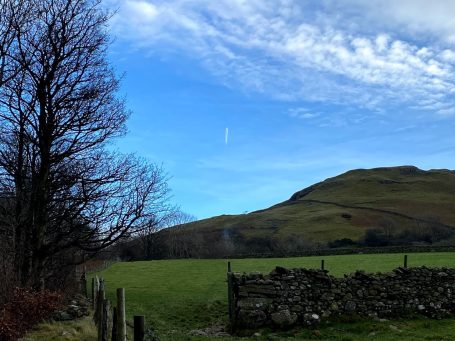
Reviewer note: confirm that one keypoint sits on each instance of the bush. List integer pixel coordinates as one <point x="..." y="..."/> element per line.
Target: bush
<point x="344" y="242"/>
<point x="25" y="309"/>
<point x="375" y="237"/>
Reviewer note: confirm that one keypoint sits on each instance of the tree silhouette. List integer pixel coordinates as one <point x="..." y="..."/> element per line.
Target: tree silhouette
<point x="63" y="188"/>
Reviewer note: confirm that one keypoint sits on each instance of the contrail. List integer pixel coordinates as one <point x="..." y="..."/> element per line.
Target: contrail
<point x="226" y="136"/>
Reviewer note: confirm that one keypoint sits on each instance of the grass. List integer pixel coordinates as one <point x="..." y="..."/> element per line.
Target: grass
<point x="78" y="330"/>
<point x="177" y="296"/>
<point x="418" y="329"/>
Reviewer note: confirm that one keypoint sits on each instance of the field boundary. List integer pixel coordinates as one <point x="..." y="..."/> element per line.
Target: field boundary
<point x="348" y="251"/>
<point x="289" y="297"/>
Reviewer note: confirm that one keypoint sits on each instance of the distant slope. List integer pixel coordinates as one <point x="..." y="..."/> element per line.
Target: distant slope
<point x="344" y="206"/>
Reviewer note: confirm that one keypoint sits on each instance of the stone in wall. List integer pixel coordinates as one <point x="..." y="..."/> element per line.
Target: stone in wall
<point x="287" y="297"/>
<point x="77" y="307"/>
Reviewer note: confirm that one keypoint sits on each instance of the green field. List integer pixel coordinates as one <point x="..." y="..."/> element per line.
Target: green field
<point x="178" y="296"/>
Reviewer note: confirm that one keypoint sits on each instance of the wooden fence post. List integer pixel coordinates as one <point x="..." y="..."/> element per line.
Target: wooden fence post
<point x="322" y="264"/>
<point x="114" y="324"/>
<point x="93" y="292"/>
<point x="96" y="291"/>
<point x="405" y="261"/>
<point x="99" y="304"/>
<point x="99" y="321"/>
<point x="83" y="284"/>
<point x="104" y="328"/>
<point x="121" y="317"/>
<point x="139" y="327"/>
<point x="231" y="302"/>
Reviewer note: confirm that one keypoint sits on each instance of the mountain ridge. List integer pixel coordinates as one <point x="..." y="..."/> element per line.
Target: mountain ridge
<point x="401" y="204"/>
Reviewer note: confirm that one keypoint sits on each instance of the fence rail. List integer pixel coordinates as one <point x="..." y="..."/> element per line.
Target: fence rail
<point x="94" y="265"/>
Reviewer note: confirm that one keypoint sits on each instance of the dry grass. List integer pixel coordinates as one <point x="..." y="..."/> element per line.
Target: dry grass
<point x="77" y="330"/>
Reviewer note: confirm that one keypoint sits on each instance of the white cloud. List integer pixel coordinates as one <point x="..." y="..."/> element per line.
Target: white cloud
<point x="413" y="17"/>
<point x="142" y="11"/>
<point x="447" y="112"/>
<point x="273" y="48"/>
<point x="448" y="55"/>
<point x="302" y="113"/>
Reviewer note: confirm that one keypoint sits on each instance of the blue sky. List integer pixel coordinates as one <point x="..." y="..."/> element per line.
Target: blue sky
<point x="307" y="89"/>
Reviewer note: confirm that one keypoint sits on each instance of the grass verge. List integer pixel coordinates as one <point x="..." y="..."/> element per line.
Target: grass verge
<point x="77" y="330"/>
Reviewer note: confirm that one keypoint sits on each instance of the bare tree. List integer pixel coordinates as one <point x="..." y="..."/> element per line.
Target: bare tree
<point x="147" y="236"/>
<point x="178" y="217"/>
<point x="180" y="240"/>
<point x="175" y="243"/>
<point x="12" y="13"/>
<point x="58" y="112"/>
<point x="389" y="227"/>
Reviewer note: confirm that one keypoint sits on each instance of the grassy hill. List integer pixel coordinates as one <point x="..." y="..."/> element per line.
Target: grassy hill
<point x="390" y="200"/>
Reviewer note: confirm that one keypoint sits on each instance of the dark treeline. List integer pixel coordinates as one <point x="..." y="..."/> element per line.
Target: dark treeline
<point x="181" y="242"/>
<point x="187" y="242"/>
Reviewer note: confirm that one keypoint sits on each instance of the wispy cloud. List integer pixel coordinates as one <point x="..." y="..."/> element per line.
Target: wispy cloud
<point x="274" y="48"/>
<point x="413" y="18"/>
<point x="303" y="113"/>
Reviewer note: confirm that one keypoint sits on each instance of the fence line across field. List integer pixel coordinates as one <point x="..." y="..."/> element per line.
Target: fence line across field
<point x="116" y="325"/>
<point x="109" y="319"/>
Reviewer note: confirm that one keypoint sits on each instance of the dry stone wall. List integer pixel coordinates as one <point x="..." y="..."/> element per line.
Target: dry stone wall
<point x="306" y="296"/>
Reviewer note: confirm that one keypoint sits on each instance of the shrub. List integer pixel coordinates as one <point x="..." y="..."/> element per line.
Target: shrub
<point x="25" y="309"/>
<point x="346" y="216"/>
<point x="375" y="237"/>
<point x="344" y="242"/>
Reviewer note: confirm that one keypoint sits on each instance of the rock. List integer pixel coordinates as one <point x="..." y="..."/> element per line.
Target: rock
<point x="284" y="318"/>
<point x="311" y="319"/>
<point x="63" y="316"/>
<point x="281" y="270"/>
<point x="334" y="307"/>
<point x="285" y="296"/>
<point x="255" y="275"/>
<point x="254" y="303"/>
<point x="297" y="308"/>
<point x="326" y="313"/>
<point x="77" y="307"/>
<point x="350" y="306"/>
<point x="217" y="331"/>
<point x="258" y="289"/>
<point x="252" y="318"/>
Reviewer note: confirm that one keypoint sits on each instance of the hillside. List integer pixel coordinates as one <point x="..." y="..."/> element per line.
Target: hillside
<point x="396" y="201"/>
